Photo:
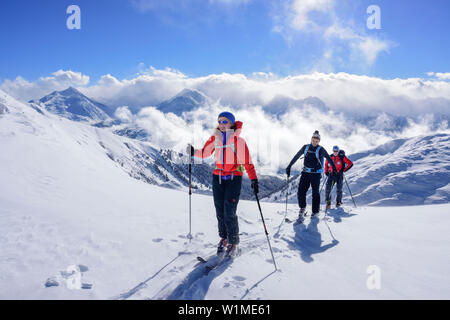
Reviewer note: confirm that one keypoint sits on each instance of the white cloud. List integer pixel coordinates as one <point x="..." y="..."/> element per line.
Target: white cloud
<point x="342" y="42"/>
<point x="440" y="75"/>
<point x="339" y="91"/>
<point x="371" y="47"/>
<point x="124" y="114"/>
<point x="273" y="140"/>
<point x="59" y="80"/>
<point x="300" y="18"/>
<point x="258" y="98"/>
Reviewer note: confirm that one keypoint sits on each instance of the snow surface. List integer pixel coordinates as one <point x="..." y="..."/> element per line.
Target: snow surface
<point x="68" y="209"/>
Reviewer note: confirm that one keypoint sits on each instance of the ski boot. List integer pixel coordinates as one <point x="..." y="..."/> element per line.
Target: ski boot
<point x="338" y="204"/>
<point x="222" y="245"/>
<point x="232" y="251"/>
<point x="328" y="205"/>
<point x="301" y="215"/>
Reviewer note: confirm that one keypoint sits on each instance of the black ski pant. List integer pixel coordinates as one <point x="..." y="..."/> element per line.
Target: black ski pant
<point x="339" y="182"/>
<point x="226" y="197"/>
<point x="306" y="180"/>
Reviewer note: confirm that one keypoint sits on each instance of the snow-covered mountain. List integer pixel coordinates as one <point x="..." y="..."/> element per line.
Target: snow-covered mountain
<point x="74" y="105"/>
<point x="401" y="172"/>
<point x="74" y="225"/>
<point x="186" y="100"/>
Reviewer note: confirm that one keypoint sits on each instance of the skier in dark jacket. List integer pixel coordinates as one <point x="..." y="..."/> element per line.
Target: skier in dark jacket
<point x="311" y="174"/>
<point x="232" y="158"/>
<point x="343" y="164"/>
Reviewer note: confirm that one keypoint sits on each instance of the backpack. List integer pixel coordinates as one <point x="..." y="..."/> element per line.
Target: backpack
<point x="341" y="155"/>
<point x="317" y="157"/>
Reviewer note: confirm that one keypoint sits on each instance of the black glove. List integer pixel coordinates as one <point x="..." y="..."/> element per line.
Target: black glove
<point x="190" y="150"/>
<point x="288" y="171"/>
<point x="327" y="174"/>
<point x="255" y="186"/>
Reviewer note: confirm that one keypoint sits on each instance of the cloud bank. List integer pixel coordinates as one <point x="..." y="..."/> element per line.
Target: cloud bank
<point x="279" y="113"/>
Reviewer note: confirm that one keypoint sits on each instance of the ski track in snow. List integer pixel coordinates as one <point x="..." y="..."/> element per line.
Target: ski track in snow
<point x="193" y="282"/>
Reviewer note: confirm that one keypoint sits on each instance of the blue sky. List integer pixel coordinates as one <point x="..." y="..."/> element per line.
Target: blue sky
<point x="201" y="37"/>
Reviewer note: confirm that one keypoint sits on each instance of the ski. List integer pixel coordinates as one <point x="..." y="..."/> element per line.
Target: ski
<point x="216" y="261"/>
<point x="212" y="262"/>
<point x="201" y="260"/>
<point x="221" y="258"/>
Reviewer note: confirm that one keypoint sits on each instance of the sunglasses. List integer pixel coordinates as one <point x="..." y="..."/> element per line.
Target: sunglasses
<point x="223" y="121"/>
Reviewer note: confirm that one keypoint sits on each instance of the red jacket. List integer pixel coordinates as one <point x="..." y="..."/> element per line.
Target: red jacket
<point x="232" y="158"/>
<point x="345" y="163"/>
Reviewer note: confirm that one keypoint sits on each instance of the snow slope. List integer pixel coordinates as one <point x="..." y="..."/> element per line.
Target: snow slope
<point x="68" y="211"/>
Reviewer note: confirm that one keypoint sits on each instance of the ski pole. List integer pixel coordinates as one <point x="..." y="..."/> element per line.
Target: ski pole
<point x="349" y="190"/>
<point x="287" y="194"/>
<point x="265" y="230"/>
<point x="190" y="196"/>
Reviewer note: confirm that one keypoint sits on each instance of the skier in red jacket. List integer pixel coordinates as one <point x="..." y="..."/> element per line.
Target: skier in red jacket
<point x="232" y="157"/>
<point x="342" y="164"/>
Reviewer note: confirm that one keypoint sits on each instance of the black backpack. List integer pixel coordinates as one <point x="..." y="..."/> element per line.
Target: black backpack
<point x="341" y="155"/>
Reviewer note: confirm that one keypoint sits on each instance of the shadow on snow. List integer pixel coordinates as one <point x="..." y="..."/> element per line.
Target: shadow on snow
<point x="338" y="214"/>
<point x="197" y="283"/>
<point x="143" y="284"/>
<point x="308" y="240"/>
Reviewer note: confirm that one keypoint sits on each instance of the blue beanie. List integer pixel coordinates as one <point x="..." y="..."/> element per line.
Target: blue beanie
<point x="227" y="115"/>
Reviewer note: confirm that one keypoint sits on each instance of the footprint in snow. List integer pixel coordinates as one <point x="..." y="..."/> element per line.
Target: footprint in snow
<point x="157" y="240"/>
<point x="239" y="278"/>
<point x="238" y="281"/>
<point x="71" y="277"/>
